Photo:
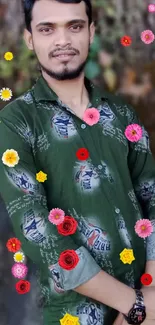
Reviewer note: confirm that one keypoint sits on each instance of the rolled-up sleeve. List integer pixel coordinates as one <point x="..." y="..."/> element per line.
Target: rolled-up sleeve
<point x="142" y="170"/>
<point x="25" y="201"/>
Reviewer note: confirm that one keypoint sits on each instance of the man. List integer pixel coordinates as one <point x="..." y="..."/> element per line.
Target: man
<point x="90" y="173"/>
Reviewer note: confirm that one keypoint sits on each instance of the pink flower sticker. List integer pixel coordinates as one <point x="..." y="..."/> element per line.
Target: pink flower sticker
<point x="143" y="228"/>
<point x="56" y="216"/>
<point x="91" y="116"/>
<point x="151" y="7"/>
<point x="19" y="270"/>
<point x="147" y="36"/>
<point x="133" y="132"/>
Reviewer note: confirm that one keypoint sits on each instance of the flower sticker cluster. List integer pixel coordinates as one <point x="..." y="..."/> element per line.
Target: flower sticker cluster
<point x="10" y="158"/>
<point x="56" y="216"/>
<point x="126" y="40"/>
<point x="82" y="154"/>
<point x="5" y="94"/>
<point x="19" y="269"/>
<point x="147" y="36"/>
<point x="66" y="226"/>
<point x="133" y="132"/>
<point x="143" y="228"/>
<point x="68" y="259"/>
<point x="126" y="256"/>
<point x="41" y="177"/>
<point x="69" y="320"/>
<point x="91" y="116"/>
<point x="8" y="56"/>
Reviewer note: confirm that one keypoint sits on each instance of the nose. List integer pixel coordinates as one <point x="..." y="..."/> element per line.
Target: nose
<point x="62" y="38"/>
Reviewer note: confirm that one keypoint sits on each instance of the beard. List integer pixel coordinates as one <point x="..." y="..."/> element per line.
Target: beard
<point x="66" y="74"/>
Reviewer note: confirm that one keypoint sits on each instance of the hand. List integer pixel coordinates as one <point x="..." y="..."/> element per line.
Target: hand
<point x="149" y="302"/>
<point x="121" y="321"/>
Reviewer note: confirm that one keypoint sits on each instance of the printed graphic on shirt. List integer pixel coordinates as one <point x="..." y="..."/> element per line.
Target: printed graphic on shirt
<point x="90" y="313"/>
<point x="25" y="201"/>
<point x="86" y="177"/>
<point x="34" y="226"/>
<point x="106" y="114"/>
<point x="27" y="97"/>
<point x="146" y="190"/>
<point x="143" y="144"/>
<point x="121" y="226"/>
<point x="124" y="110"/>
<point x="22" y="180"/>
<point x="25" y="132"/>
<point x="105" y="172"/>
<point x="55" y="280"/>
<point x="129" y="277"/>
<point x="62" y="126"/>
<point x="134" y="201"/>
<point x="94" y="237"/>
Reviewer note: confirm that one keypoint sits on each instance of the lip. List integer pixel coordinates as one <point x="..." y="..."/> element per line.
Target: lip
<point x="64" y="57"/>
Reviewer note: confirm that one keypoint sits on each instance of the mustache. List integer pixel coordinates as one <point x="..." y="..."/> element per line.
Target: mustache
<point x="57" y="51"/>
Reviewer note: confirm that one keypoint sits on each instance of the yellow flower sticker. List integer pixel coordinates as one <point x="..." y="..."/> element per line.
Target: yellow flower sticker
<point x="41" y="177"/>
<point x="5" y="94"/>
<point x="19" y="257"/>
<point x="126" y="256"/>
<point x="10" y="158"/>
<point x="69" y="320"/>
<point x="8" y="56"/>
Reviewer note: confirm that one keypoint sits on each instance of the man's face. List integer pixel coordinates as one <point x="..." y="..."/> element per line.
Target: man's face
<point x="62" y="46"/>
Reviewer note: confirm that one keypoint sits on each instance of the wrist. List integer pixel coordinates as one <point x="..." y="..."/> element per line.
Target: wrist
<point x="128" y="300"/>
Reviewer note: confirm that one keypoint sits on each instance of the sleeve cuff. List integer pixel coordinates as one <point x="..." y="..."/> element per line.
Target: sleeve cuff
<point x="86" y="269"/>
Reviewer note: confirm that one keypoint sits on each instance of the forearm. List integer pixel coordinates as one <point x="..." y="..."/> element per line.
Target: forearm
<point x="150" y="269"/>
<point x="109" y="291"/>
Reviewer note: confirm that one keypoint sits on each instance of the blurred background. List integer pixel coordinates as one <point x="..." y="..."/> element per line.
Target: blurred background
<point x="125" y="70"/>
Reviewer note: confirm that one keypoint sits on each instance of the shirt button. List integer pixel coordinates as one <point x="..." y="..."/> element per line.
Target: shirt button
<point x="117" y="210"/>
<point x="83" y="126"/>
<point x="100" y="166"/>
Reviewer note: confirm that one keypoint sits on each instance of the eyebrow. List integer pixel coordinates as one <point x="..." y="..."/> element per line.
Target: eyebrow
<point x="74" y="21"/>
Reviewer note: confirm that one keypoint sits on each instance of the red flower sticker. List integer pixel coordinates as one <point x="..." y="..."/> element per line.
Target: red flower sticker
<point x="23" y="286"/>
<point x="82" y="154"/>
<point x="13" y="245"/>
<point x="126" y="40"/>
<point x="68" y="226"/>
<point x="146" y="279"/>
<point x="68" y="259"/>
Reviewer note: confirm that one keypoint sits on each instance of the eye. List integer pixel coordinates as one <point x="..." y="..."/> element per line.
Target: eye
<point x="77" y="28"/>
<point x="45" y="29"/>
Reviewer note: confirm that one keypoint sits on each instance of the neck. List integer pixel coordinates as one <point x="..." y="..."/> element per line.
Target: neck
<point x="73" y="93"/>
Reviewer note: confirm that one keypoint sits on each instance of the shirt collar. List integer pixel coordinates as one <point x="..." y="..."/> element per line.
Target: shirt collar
<point x="42" y="92"/>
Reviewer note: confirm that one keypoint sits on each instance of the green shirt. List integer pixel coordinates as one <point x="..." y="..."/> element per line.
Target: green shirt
<point x="106" y="194"/>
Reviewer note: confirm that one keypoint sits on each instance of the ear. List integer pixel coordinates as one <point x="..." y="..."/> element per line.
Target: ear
<point x="27" y="36"/>
<point x="92" y="32"/>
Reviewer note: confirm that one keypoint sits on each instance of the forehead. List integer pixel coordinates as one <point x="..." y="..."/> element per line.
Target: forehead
<point x="53" y="11"/>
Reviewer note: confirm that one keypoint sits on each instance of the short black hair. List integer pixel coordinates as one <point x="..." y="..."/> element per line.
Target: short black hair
<point x="28" y="6"/>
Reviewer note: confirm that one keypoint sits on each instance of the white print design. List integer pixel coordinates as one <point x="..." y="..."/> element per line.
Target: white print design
<point x="146" y="190"/>
<point x="24" y="202"/>
<point x="27" y="97"/>
<point x="133" y="199"/>
<point x="63" y="126"/>
<point x="143" y="144"/>
<point x="34" y="226"/>
<point x="22" y="180"/>
<point x="42" y="142"/>
<point x="129" y="277"/>
<point x="90" y="313"/>
<point x="86" y="177"/>
<point x="123" y="232"/>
